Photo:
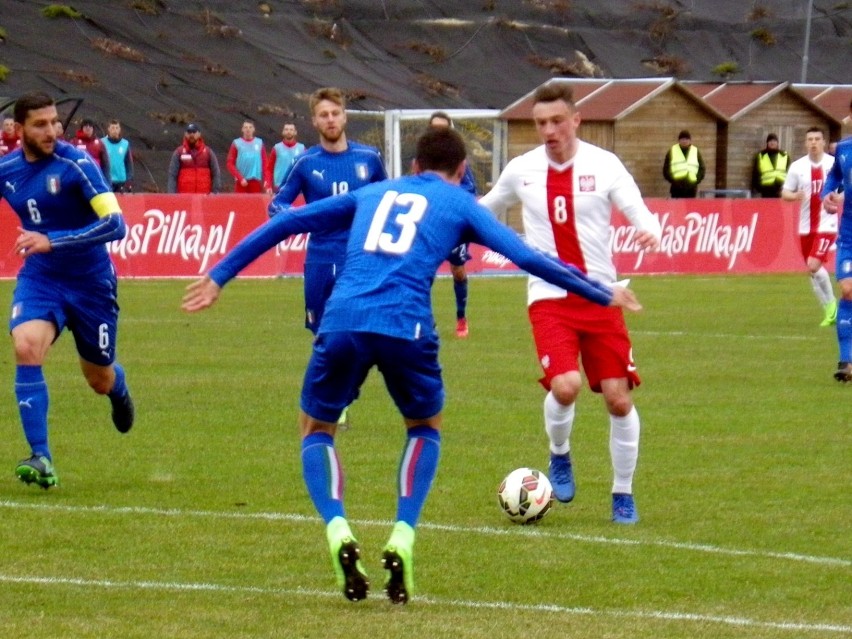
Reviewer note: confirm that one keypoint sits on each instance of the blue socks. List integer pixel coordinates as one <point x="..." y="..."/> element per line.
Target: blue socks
<point x="323" y="475"/>
<point x="33" y="401"/>
<point x="119" y="388"/>
<point x="460" y="289"/>
<point x="416" y="471"/>
<point x="844" y="329"/>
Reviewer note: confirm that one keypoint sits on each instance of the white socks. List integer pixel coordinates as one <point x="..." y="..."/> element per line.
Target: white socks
<point x="624" y="450"/>
<point x="558" y="420"/>
<point x="623" y="440"/>
<point x="821" y="283"/>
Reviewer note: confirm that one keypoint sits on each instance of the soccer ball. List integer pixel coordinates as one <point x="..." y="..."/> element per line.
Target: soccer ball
<point x="525" y="495"/>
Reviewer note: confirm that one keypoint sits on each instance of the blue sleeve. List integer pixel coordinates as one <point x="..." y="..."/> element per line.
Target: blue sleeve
<point x="834" y="179"/>
<point x="104" y="229"/>
<point x="505" y="241"/>
<point x="380" y="173"/>
<point x="330" y="213"/>
<point x="288" y="192"/>
<point x="468" y="182"/>
<point x="89" y="175"/>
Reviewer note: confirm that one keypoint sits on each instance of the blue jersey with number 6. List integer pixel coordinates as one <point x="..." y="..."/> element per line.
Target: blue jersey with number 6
<point x="66" y="197"/>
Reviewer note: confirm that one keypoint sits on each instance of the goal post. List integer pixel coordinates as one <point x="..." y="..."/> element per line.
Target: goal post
<point x="395" y="132"/>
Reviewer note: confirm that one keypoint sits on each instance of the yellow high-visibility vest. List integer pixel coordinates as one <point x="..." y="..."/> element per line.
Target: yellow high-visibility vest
<point x="684" y="167"/>
<point x="769" y="174"/>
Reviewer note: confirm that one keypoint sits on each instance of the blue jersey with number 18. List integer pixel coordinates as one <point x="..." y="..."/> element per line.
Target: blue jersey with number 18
<point x="318" y="174"/>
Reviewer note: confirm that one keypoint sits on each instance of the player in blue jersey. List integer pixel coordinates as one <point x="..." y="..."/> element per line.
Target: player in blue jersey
<point x="380" y="314"/>
<point x="460" y="255"/>
<point x="837" y="198"/>
<point x="332" y="167"/>
<point x="67" y="213"/>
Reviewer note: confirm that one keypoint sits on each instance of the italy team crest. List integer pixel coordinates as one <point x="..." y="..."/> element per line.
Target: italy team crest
<point x="53" y="185"/>
<point x="361" y="171"/>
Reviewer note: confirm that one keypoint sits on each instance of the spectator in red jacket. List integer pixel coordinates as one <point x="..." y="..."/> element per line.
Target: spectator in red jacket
<point x="86" y="140"/>
<point x="9" y="140"/>
<point x="194" y="167"/>
<point x="247" y="162"/>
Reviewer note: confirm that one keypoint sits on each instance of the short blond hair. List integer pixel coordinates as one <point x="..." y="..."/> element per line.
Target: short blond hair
<point x="332" y="94"/>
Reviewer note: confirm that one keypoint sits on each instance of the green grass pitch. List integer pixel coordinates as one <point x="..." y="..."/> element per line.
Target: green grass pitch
<point x="197" y="523"/>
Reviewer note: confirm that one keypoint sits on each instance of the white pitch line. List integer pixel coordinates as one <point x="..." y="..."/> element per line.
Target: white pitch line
<point x="481" y="530"/>
<point x="730" y="336"/>
<point x="706" y="548"/>
<point x="741" y="622"/>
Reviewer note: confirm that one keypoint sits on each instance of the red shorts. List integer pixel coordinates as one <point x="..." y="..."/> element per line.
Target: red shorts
<point x="816" y="245"/>
<point x="573" y="328"/>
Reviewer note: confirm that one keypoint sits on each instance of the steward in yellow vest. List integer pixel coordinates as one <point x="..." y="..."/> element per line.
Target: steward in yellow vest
<point x="683" y="167"/>
<point x="770" y="169"/>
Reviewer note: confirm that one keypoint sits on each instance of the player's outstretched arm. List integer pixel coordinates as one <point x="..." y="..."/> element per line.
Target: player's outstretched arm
<point x="200" y="294"/>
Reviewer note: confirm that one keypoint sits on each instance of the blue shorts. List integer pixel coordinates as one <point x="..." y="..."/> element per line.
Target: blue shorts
<point x="460" y="255"/>
<point x="843" y="263"/>
<point x="89" y="309"/>
<point x="341" y="360"/>
<point x="319" y="281"/>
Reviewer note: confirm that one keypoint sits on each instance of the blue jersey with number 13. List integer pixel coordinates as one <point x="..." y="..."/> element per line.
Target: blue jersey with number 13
<point x="401" y="232"/>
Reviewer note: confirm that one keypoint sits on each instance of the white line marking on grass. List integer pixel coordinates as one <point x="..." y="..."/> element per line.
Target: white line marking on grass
<point x="783" y="338"/>
<point x="432" y="601"/>
<point x="830" y="561"/>
<point x="482" y="530"/>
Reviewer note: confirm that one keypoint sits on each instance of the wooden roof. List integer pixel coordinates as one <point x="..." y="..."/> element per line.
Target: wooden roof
<point x="603" y="100"/>
<point x="736" y="99"/>
<point x="833" y="98"/>
<point x="608" y="100"/>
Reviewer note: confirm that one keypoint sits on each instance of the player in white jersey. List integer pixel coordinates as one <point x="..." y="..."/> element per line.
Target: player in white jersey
<point x="817" y="227"/>
<point x="567" y="189"/>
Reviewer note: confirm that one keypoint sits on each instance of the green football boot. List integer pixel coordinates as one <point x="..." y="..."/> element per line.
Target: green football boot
<point x="346" y="560"/>
<point x="830" y="315"/>
<point x="38" y="469"/>
<point x="398" y="560"/>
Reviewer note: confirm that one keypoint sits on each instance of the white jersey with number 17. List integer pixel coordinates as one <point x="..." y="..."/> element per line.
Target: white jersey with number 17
<point x="809" y="177"/>
<point x="567" y="209"/>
